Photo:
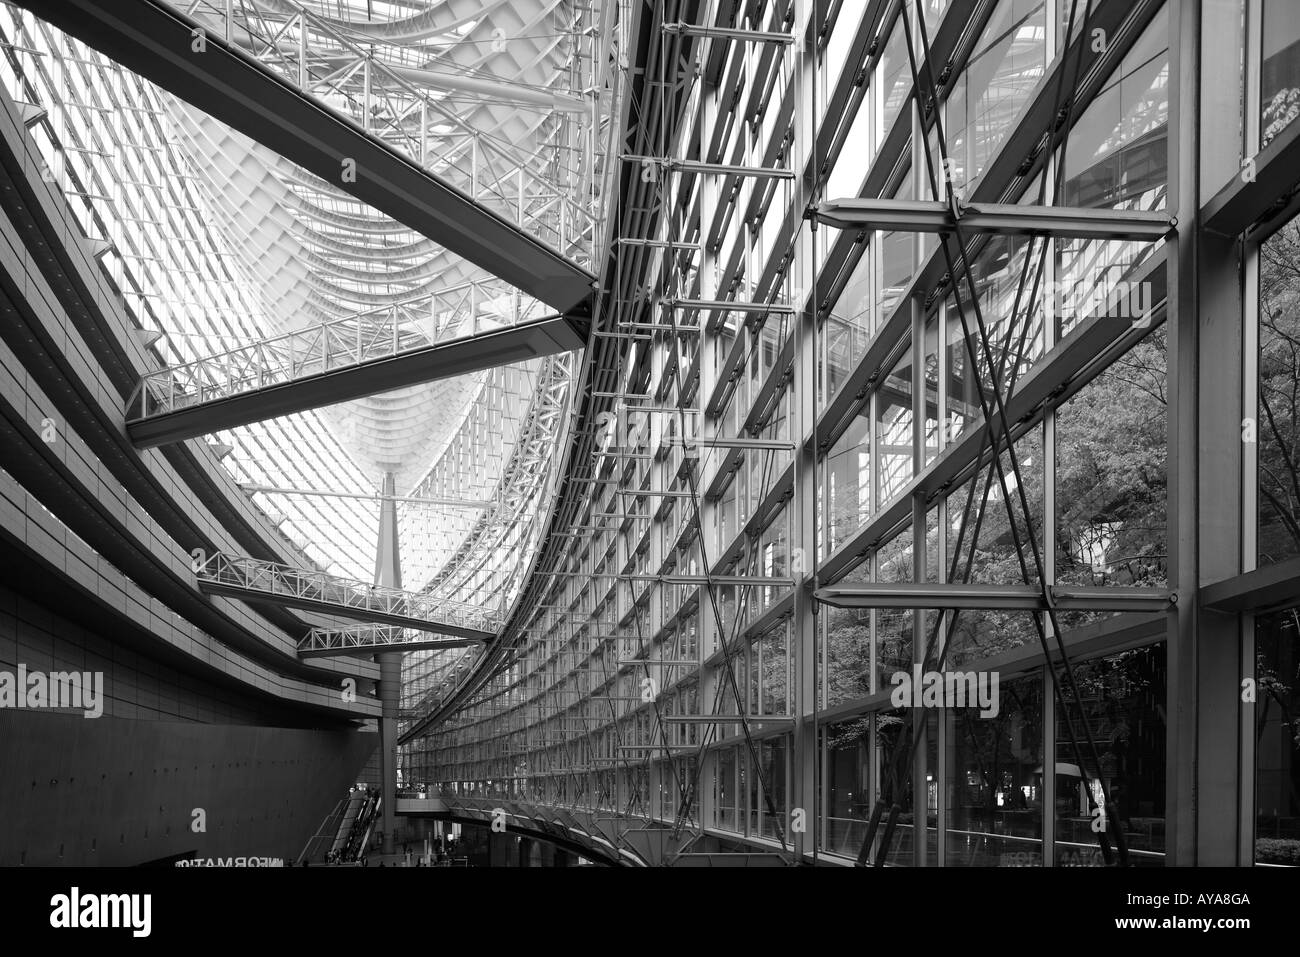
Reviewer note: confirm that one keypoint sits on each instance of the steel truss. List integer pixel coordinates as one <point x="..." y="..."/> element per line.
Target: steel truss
<point x="253" y="579"/>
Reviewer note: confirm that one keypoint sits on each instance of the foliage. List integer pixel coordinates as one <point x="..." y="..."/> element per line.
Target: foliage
<point x="1279" y="395"/>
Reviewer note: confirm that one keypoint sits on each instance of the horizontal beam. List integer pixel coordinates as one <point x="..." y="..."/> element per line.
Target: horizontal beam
<point x="728" y="33"/>
<point x="1260" y="191"/>
<point x="518" y="343"/>
<point x="930" y="216"/>
<point x="720" y="169"/>
<point x="1002" y="597"/>
<point x="756" y="581"/>
<point x="665" y="664"/>
<point x="743" y="442"/>
<point x="753" y="719"/>
<point x="156" y="41"/>
<point x="729" y="305"/>
<point x="1255" y="591"/>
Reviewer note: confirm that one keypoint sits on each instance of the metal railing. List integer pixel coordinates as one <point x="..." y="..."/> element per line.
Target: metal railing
<point x="303" y="585"/>
<point x="340" y="343"/>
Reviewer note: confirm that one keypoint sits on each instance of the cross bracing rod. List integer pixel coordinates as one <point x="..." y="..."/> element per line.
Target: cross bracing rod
<point x="934" y="216"/>
<point x="253" y="579"/>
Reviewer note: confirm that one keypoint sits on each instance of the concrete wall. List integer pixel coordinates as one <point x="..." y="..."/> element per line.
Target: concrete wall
<point x="116" y="791"/>
<point x="121" y="789"/>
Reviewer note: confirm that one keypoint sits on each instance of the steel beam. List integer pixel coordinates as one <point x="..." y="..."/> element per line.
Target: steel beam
<point x="755" y="720"/>
<point x="754" y="580"/>
<point x="728" y="33"/>
<point x="931" y="216"/>
<point x="1261" y="192"/>
<point x="729" y="305"/>
<point x="1255" y="591"/>
<point x="1002" y="597"/>
<point x="365" y="641"/>
<point x="251" y="579"/>
<point x="338" y="610"/>
<point x="638" y="662"/>
<point x="721" y="169"/>
<point x="527" y="340"/>
<point x="156" y="41"/>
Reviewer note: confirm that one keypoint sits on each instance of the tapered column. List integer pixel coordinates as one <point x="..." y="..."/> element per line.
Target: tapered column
<point x="388" y="573"/>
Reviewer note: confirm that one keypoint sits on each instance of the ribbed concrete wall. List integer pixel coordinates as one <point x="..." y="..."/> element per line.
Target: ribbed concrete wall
<point x="120" y="792"/>
<point x="121" y="789"/>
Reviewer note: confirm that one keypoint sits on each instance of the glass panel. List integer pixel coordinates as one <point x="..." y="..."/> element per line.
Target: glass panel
<point x="724" y="795"/>
<point x="893" y="402"/>
<point x="847" y="329"/>
<point x="841" y="34"/>
<point x="1110" y="476"/>
<point x="893" y="754"/>
<point x="774" y="752"/>
<point x="1117" y="156"/>
<point x="848" y="473"/>
<point x="1124" y="711"/>
<point x="893" y="79"/>
<point x="848" y="794"/>
<point x="896" y="265"/>
<point x="1279" y="93"/>
<point x="1278" y="417"/>
<point x="998" y="271"/>
<point x="848" y="654"/>
<point x="931" y="399"/>
<point x="1002" y="72"/>
<point x="1277" y="738"/>
<point x="776" y="672"/>
<point x="994" y="784"/>
<point x="984" y="552"/>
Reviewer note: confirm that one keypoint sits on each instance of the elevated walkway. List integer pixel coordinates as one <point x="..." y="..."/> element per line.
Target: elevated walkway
<point x="252" y="579"/>
<point x="372" y="640"/>
<point x="322" y="365"/>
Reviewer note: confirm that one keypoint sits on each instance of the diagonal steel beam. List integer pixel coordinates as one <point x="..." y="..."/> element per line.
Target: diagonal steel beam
<point x="160" y="418"/>
<point x="159" y="43"/>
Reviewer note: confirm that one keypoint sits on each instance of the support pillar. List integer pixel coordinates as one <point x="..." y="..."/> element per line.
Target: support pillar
<point x="388" y="574"/>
